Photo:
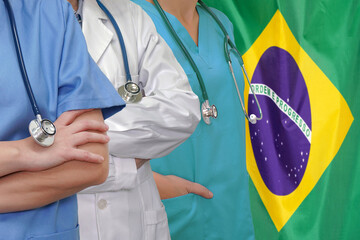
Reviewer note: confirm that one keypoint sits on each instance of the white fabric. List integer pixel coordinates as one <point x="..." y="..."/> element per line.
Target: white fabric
<point x="166" y="116"/>
<point x="141" y="214"/>
<point x="122" y="175"/>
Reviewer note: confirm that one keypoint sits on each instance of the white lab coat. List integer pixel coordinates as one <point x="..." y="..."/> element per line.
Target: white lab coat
<point x="127" y="206"/>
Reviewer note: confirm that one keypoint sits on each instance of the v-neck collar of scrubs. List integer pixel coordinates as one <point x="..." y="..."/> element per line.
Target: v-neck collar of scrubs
<point x="184" y="34"/>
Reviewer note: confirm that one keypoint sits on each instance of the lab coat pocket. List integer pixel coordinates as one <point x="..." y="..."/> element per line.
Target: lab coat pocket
<point x="72" y="234"/>
<point x="156" y="225"/>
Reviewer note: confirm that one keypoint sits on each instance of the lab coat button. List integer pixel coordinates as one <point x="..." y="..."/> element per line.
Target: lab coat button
<point x="102" y="204"/>
<point x="154" y="38"/>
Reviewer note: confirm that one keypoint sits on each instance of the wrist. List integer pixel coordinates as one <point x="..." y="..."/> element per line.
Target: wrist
<point x="139" y="162"/>
<point x="11" y="158"/>
<point x="25" y="154"/>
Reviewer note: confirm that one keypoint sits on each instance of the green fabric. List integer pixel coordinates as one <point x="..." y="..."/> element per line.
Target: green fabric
<point x="329" y="32"/>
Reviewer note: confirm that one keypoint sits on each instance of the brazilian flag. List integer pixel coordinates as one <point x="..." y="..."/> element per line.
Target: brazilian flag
<point x="303" y="157"/>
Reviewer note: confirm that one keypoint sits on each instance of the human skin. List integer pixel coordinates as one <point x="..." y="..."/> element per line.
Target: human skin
<point x="26" y="155"/>
<point x="26" y="190"/>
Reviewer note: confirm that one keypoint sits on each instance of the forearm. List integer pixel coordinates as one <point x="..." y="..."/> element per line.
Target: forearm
<point x="155" y="126"/>
<point x="9" y="158"/>
<point x="122" y="176"/>
<point x="27" y="190"/>
<point x="159" y="180"/>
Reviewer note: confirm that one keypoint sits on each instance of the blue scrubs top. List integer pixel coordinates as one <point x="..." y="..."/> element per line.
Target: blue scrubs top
<point x="63" y="77"/>
<point x="214" y="155"/>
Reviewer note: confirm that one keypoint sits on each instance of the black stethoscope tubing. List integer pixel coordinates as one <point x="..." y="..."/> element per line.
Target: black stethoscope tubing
<point x="21" y="59"/>
<point x="42" y="130"/>
<point x="121" y="39"/>
<point x="130" y="91"/>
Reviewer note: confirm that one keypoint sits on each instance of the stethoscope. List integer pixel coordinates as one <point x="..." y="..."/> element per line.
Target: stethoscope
<point x="42" y="130"/>
<point x="207" y="110"/>
<point x="130" y="91"/>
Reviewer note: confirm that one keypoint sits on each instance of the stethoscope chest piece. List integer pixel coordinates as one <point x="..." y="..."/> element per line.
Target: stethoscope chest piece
<point x="130" y="92"/>
<point x="43" y="131"/>
<point x="208" y="112"/>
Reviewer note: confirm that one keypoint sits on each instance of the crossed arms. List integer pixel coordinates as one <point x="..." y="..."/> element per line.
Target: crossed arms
<point x="33" y="176"/>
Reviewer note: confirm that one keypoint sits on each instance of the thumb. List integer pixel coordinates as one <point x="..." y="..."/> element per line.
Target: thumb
<point x="200" y="190"/>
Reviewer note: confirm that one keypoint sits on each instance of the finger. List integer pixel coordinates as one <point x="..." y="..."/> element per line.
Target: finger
<point x="82" y="155"/>
<point x="200" y="190"/>
<point x="89" y="137"/>
<point x="88" y="125"/>
<point x="68" y="117"/>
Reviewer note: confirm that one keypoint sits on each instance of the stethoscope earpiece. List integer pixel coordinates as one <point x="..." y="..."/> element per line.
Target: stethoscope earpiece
<point x="253" y="119"/>
<point x="130" y="92"/>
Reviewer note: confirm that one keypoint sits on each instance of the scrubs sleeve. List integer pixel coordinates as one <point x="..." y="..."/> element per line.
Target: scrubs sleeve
<point x="168" y="114"/>
<point x="82" y="85"/>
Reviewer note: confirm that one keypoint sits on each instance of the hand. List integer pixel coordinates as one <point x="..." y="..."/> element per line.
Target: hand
<point x="171" y="186"/>
<point x="140" y="162"/>
<point x="69" y="136"/>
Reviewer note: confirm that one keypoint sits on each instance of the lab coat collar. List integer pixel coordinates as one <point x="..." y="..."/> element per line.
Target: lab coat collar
<point x="98" y="36"/>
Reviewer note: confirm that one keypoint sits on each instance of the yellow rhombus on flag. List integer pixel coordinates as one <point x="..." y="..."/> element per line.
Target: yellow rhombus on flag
<point x="302" y="110"/>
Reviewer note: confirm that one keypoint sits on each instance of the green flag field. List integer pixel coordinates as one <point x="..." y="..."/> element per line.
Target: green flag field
<point x="303" y="157"/>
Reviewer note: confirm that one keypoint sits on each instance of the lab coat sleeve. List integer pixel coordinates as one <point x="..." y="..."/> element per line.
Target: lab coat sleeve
<point x="122" y="176"/>
<point x="169" y="112"/>
<point x="165" y="117"/>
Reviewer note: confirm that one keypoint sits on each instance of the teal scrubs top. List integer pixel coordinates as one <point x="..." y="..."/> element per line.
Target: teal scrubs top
<point x="63" y="77"/>
<point x="214" y="155"/>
